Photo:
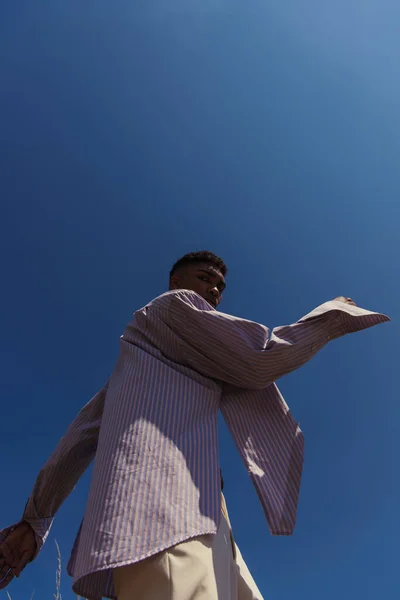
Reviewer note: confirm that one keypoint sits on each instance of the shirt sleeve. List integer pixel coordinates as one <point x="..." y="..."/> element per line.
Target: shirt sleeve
<point x="58" y="477"/>
<point x="244" y="353"/>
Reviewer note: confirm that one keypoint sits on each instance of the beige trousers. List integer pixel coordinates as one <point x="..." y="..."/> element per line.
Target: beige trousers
<point x="209" y="567"/>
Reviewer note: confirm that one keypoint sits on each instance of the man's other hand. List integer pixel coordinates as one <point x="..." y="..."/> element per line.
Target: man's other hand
<point x="346" y="300"/>
<point x="16" y="551"/>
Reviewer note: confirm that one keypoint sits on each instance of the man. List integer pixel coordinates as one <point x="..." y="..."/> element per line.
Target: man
<point x="155" y="526"/>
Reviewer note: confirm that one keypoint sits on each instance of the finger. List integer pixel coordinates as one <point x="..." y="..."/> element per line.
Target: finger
<point x="6" y="579"/>
<point x="8" y="555"/>
<point x="4" y="570"/>
<point x="3" y="567"/>
<point x="22" y="563"/>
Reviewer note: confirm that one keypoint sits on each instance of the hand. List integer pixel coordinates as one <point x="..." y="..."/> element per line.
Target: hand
<point x="16" y="551"/>
<point x="346" y="300"/>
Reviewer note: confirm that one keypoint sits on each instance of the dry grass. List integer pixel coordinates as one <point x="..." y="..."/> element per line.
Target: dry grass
<point x="57" y="595"/>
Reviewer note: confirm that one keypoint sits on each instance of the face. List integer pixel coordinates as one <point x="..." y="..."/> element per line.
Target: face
<point x="201" y="278"/>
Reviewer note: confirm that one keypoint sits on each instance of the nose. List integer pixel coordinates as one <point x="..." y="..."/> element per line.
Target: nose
<point x="215" y="291"/>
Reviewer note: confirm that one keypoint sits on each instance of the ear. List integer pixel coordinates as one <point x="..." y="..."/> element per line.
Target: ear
<point x="174" y="282"/>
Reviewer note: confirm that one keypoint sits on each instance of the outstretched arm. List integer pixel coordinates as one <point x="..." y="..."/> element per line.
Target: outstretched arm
<point x="240" y="352"/>
<point x="20" y="543"/>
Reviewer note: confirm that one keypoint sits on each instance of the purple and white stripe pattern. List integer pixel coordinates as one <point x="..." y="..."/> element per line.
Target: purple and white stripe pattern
<point x="152" y="431"/>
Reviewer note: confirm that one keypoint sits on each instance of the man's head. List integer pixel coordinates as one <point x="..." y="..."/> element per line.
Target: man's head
<point x="202" y="272"/>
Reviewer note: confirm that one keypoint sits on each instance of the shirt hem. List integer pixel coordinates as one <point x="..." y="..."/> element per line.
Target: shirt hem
<point x="80" y="586"/>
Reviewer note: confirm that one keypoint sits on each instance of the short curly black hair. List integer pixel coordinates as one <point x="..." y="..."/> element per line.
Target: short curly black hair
<point x="203" y="256"/>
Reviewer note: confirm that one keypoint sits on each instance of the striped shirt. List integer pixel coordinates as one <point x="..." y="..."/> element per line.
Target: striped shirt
<point x="152" y="431"/>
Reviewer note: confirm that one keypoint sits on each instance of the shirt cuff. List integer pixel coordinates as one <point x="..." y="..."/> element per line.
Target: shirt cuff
<point x="40" y="525"/>
<point x="342" y="318"/>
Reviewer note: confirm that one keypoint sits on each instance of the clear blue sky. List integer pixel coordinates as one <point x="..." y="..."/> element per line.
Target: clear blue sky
<point x="268" y="132"/>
